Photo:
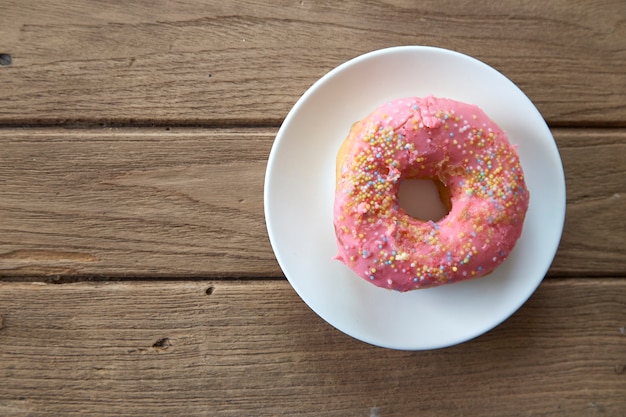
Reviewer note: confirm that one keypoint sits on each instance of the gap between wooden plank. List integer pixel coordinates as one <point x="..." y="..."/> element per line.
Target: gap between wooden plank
<point x="94" y="124"/>
<point x="163" y="123"/>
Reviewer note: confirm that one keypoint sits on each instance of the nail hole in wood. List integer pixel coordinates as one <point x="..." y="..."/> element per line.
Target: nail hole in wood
<point x="163" y="343"/>
<point x="210" y="290"/>
<point x="6" y="59"/>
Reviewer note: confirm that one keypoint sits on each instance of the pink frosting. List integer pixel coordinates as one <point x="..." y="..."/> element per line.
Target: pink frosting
<point x="428" y="138"/>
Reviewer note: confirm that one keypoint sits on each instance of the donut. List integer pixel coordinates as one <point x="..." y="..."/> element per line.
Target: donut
<point x="480" y="179"/>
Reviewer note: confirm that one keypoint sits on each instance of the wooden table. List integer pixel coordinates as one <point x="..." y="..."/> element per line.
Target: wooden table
<point x="136" y="275"/>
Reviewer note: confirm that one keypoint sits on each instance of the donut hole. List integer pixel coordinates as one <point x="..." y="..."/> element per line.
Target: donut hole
<point x="424" y="198"/>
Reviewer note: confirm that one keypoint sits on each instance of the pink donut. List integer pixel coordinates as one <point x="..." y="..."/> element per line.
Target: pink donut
<point x="434" y="138"/>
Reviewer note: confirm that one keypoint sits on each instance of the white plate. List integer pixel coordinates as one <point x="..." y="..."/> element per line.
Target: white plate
<point x="300" y="184"/>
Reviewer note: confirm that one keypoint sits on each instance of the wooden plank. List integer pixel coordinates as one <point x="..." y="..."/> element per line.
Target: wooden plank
<point x="594" y="236"/>
<point x="253" y="348"/>
<point x="119" y="202"/>
<point x="189" y="202"/>
<point x="246" y="62"/>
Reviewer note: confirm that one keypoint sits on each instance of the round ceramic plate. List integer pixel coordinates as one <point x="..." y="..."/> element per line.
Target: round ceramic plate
<point x="300" y="184"/>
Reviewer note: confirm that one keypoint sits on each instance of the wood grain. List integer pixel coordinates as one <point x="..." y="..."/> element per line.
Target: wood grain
<point x="134" y="202"/>
<point x="254" y="348"/>
<point x="595" y="221"/>
<point x="246" y="62"/>
<point x="133" y="145"/>
<point x="189" y="203"/>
